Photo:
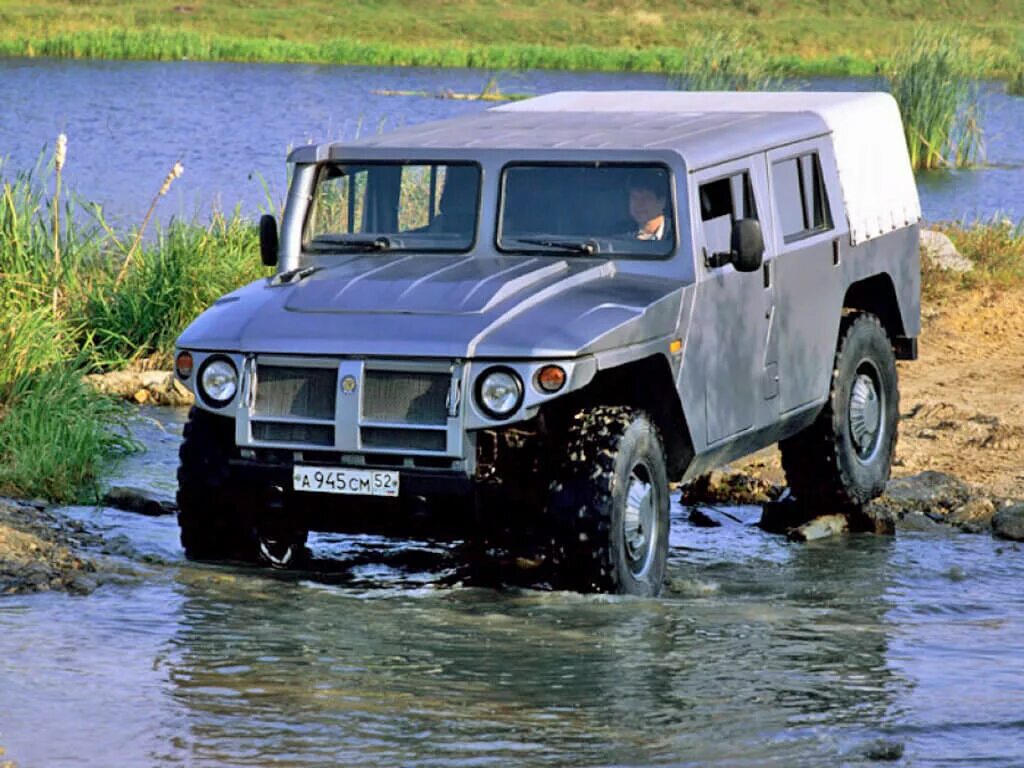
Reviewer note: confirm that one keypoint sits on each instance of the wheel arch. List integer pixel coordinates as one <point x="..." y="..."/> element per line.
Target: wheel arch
<point x="649" y="385"/>
<point x="877" y="294"/>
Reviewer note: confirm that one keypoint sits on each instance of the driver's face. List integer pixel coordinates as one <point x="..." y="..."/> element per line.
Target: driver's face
<point x="645" y="205"/>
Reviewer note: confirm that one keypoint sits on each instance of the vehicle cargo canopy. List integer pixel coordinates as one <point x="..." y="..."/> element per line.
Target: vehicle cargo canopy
<point x="877" y="181"/>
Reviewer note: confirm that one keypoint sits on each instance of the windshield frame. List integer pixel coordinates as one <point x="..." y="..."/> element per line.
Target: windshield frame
<point x="671" y="210"/>
<point x="321" y="167"/>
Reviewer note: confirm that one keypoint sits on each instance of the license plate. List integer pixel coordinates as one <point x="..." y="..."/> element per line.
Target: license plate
<point x="351" y="482"/>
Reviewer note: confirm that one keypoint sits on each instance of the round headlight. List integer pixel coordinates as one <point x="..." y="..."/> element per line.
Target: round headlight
<point x="499" y="392"/>
<point x="218" y="381"/>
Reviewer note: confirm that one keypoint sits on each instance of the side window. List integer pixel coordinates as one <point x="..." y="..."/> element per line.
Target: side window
<point x="722" y="202"/>
<point x="800" y="197"/>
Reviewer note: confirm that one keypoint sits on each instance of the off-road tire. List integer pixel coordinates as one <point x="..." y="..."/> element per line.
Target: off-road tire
<point x="832" y="462"/>
<point x="211" y="508"/>
<point x="609" y="452"/>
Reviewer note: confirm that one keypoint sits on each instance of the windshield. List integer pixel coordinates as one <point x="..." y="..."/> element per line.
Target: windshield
<point x="619" y="210"/>
<point x="393" y="207"/>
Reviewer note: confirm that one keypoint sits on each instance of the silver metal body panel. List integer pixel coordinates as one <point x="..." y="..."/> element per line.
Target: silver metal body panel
<point x="756" y="348"/>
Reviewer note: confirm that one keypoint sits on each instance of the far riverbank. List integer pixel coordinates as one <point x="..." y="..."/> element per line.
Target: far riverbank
<point x="810" y="38"/>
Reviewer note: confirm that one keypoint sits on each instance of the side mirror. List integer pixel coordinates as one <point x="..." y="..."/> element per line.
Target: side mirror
<point x="747" y="245"/>
<point x="268" y="240"/>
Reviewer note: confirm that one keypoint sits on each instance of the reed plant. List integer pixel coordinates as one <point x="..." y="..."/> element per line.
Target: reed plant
<point x="725" y="63"/>
<point x="934" y="82"/>
<point x="170" y="281"/>
<point x="55" y="431"/>
<point x="1015" y="85"/>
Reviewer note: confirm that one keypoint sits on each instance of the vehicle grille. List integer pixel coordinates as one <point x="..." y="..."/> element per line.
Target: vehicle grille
<point x="291" y="391"/>
<point x="311" y="434"/>
<point x="405" y="439"/>
<point x="406" y="398"/>
<point x="398" y="410"/>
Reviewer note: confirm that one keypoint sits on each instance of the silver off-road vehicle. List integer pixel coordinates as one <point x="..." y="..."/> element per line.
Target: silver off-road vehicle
<point x="521" y="325"/>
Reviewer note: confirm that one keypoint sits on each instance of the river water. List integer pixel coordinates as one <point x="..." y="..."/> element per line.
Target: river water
<point x="760" y="652"/>
<point x="232" y="125"/>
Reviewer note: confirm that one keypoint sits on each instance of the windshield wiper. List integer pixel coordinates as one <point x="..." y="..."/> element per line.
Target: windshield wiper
<point x="589" y="247"/>
<point x="355" y="243"/>
<point x="294" y="275"/>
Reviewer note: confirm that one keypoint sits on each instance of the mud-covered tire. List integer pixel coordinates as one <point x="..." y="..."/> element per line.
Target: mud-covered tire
<point x="845" y="456"/>
<point x="212" y="515"/>
<point x="608" y="504"/>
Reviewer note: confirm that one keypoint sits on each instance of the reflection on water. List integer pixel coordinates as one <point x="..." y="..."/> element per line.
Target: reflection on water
<point x="761" y="652"/>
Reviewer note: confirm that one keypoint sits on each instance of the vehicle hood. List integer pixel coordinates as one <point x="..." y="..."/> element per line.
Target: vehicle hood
<point x="443" y="306"/>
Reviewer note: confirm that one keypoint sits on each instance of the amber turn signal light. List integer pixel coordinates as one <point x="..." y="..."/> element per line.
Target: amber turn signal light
<point x="183" y="364"/>
<point x="550" y="378"/>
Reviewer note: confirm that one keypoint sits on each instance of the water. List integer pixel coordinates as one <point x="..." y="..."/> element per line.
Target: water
<point x="232" y="124"/>
<point x="759" y="653"/>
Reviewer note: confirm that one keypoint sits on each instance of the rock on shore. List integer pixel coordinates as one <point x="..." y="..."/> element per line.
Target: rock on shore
<point x="1008" y="523"/>
<point x="918" y="502"/>
<point x="143" y="387"/>
<point x="36" y="553"/>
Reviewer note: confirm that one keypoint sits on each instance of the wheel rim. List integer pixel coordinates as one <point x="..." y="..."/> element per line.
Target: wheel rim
<point x="277" y="553"/>
<point x="639" y="522"/>
<point x="867" y="406"/>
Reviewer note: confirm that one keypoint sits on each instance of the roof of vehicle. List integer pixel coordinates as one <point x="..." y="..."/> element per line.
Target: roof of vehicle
<point x="706" y="128"/>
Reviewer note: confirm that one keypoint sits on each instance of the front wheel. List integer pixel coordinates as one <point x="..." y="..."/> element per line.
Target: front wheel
<point x="215" y="522"/>
<point x="608" y="504"/>
<point x="845" y="456"/>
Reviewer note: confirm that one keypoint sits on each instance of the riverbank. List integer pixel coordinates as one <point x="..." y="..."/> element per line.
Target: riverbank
<point x="799" y="37"/>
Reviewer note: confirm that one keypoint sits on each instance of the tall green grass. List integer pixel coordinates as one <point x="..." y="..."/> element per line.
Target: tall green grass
<point x="806" y="36"/>
<point x="934" y="82"/>
<point x="72" y="301"/>
<point x="1015" y="85"/>
<point x="56" y="433"/>
<point x="174" y="45"/>
<point x="725" y="63"/>
<point x="171" y="280"/>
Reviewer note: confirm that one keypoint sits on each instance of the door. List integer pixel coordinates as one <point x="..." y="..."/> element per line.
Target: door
<point x="733" y="312"/>
<point x="808" y="249"/>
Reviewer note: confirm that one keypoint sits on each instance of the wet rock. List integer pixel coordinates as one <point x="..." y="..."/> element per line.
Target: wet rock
<point x="702" y="519"/>
<point x="822" y="527"/>
<point x="1008" y="522"/>
<point x="940" y="497"/>
<point x="973" y="517"/>
<point x="799" y="521"/>
<point x="915" y="522"/>
<point x="730" y="487"/>
<point x="940" y="251"/>
<point x="138" y="500"/>
<point x="871" y="519"/>
<point x="883" y="750"/>
<point x="926" y="492"/>
<point x="784" y="515"/>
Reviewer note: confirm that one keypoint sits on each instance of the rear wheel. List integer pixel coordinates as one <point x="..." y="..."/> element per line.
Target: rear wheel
<point x="845" y="456"/>
<point x="608" y="505"/>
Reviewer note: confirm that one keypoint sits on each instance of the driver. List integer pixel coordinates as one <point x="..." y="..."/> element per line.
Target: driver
<point x="648" y="193"/>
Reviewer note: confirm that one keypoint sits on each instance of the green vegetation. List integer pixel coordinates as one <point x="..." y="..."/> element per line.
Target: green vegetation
<point x="55" y="434"/>
<point x="995" y="248"/>
<point x="933" y="81"/>
<point x="1015" y="85"/>
<point x="724" y="63"/>
<point x="76" y="297"/>
<point x="795" y="36"/>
